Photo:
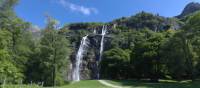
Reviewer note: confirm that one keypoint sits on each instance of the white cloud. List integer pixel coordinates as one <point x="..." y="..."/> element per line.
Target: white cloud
<point x="77" y="8"/>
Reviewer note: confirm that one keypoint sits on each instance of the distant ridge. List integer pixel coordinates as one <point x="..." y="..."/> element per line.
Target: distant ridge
<point x="189" y="9"/>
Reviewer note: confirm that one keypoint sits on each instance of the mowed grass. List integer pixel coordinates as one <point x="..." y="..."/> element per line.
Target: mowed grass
<point x="85" y="84"/>
<point x="161" y="84"/>
<point x="122" y="83"/>
<point x="81" y="84"/>
<point x="20" y="86"/>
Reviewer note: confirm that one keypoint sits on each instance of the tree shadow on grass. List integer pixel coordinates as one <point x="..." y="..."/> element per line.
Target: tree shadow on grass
<point x="162" y="84"/>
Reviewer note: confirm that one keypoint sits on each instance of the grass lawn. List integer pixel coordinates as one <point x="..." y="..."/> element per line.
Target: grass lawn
<point x="20" y="86"/>
<point x="135" y="84"/>
<point x="85" y="84"/>
<point x="81" y="84"/>
<point x="123" y="83"/>
<point x="161" y="84"/>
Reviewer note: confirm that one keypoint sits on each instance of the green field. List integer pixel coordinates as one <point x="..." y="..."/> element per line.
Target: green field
<point x="20" y="86"/>
<point x="161" y="84"/>
<point x="125" y="84"/>
<point x="85" y="84"/>
<point x="81" y="84"/>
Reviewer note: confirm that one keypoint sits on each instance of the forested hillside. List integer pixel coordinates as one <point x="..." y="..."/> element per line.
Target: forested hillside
<point x="142" y="46"/>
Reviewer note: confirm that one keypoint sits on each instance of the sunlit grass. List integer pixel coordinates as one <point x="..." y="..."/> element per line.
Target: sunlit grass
<point x="85" y="84"/>
<point x="20" y="86"/>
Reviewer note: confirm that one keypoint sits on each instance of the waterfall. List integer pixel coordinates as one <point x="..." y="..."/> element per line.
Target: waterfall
<point x="79" y="56"/>
<point x="76" y="75"/>
<point x="103" y="33"/>
<point x="94" y="32"/>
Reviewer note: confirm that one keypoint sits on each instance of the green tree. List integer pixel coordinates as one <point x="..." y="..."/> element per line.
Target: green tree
<point x="178" y="55"/>
<point x="183" y="50"/>
<point x="51" y="56"/>
<point x="145" y="56"/>
<point x="115" y="64"/>
<point x="19" y="43"/>
<point x="7" y="13"/>
<point x="8" y="70"/>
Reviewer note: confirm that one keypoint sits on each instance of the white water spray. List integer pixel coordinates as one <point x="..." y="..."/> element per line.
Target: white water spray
<point x="79" y="56"/>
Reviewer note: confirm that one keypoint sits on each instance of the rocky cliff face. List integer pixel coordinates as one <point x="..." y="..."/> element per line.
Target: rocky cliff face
<point x="189" y="9"/>
<point x="89" y="65"/>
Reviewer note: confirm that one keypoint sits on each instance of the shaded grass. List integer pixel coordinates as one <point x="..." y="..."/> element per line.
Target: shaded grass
<point x="161" y="84"/>
<point x="124" y="83"/>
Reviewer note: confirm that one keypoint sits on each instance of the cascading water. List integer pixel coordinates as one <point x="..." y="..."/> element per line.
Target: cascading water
<point x="79" y="56"/>
<point x="94" y="32"/>
<point x="76" y="75"/>
<point x="103" y="33"/>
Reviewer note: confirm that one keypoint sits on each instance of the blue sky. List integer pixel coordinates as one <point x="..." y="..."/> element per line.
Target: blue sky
<point x="67" y="11"/>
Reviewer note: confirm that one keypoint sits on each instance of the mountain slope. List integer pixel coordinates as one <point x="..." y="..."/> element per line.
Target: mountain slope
<point x="189" y="9"/>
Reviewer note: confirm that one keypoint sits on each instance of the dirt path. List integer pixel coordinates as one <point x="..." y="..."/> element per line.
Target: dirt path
<point x="108" y="84"/>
